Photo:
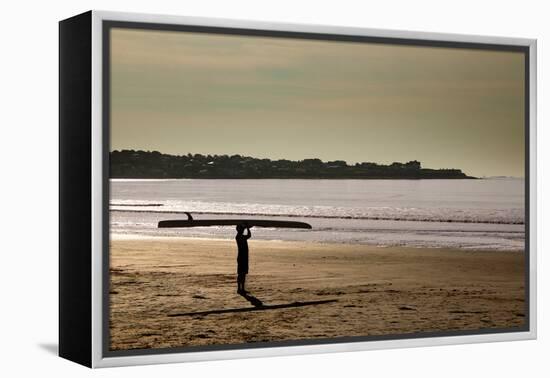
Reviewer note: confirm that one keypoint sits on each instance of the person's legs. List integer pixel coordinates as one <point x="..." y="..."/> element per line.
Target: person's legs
<point x="243" y="281"/>
<point x="240" y="283"/>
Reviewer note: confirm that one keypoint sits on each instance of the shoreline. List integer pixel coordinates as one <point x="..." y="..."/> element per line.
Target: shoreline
<point x="117" y="237"/>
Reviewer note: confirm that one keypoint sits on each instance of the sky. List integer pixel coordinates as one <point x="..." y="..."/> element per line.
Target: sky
<point x="280" y="98"/>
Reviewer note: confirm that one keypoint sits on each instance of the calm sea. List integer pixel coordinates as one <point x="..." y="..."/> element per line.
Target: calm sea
<point x="470" y="214"/>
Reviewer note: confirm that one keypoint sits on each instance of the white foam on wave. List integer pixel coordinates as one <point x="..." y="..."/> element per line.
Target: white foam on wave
<point x="432" y="214"/>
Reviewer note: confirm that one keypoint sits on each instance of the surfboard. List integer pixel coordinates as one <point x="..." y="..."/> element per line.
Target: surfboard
<point x="190" y="222"/>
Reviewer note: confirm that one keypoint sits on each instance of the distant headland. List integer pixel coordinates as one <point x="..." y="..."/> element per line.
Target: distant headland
<point x="156" y="165"/>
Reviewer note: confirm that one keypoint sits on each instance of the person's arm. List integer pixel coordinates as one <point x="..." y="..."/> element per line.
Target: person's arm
<point x="249" y="234"/>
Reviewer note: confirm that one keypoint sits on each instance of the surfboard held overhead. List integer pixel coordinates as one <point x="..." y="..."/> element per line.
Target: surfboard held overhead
<point x="231" y="222"/>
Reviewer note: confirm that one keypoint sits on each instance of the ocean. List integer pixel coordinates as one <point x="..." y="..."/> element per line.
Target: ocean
<point x="484" y="214"/>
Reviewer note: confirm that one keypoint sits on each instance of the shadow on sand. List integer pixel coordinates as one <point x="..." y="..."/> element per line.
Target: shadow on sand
<point x="258" y="306"/>
<point x="252" y="299"/>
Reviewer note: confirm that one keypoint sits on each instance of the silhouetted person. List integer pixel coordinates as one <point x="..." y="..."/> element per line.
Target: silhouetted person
<point x="242" y="256"/>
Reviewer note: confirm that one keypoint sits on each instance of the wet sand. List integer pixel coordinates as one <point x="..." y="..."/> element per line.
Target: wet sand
<point x="175" y="292"/>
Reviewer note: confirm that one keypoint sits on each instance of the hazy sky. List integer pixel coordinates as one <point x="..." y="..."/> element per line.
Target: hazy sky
<point x="180" y="92"/>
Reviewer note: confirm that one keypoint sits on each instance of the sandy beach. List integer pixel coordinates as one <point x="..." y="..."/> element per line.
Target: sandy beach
<point x="175" y="292"/>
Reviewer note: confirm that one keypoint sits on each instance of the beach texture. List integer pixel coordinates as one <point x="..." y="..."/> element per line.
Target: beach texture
<point x="178" y="292"/>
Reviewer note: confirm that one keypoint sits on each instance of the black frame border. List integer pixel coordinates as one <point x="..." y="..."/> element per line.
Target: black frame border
<point x="108" y="25"/>
<point x="75" y="189"/>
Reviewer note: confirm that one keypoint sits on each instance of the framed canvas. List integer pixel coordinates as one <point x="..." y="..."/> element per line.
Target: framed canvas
<point x="234" y="189"/>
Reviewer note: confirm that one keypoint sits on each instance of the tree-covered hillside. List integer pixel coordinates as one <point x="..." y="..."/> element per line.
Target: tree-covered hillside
<point x="146" y="164"/>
